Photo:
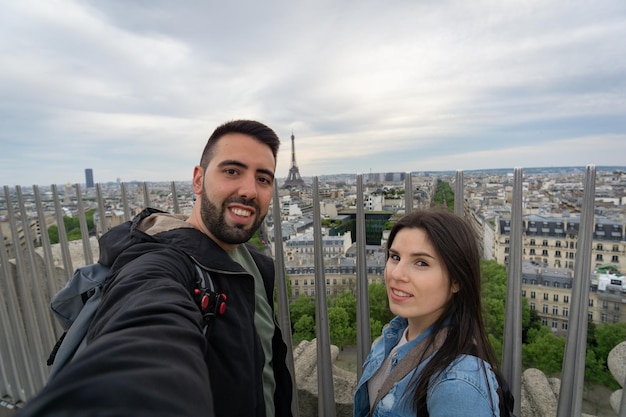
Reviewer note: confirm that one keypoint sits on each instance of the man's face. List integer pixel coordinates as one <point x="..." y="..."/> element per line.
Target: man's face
<point x="237" y="188"/>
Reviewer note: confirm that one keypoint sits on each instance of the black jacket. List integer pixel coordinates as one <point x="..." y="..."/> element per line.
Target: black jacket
<point x="146" y="353"/>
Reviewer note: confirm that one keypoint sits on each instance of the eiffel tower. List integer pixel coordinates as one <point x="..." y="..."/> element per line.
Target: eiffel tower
<point x="294" y="180"/>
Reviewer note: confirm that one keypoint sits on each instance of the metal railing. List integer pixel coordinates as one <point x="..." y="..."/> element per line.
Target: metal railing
<point x="30" y="278"/>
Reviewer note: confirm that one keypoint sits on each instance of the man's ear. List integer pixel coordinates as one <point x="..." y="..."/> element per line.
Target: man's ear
<point x="198" y="179"/>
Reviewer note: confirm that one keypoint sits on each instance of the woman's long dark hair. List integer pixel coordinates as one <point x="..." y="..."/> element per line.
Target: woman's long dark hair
<point x="455" y="242"/>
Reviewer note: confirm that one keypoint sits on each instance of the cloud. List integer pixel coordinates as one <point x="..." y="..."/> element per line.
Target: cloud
<point x="133" y="89"/>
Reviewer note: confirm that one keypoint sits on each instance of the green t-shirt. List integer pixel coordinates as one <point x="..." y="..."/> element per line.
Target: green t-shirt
<point x="263" y="321"/>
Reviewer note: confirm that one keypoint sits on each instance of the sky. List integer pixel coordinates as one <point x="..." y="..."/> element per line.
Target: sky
<point x="134" y="88"/>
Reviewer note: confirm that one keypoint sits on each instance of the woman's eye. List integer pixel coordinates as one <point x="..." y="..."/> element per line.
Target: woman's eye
<point x="421" y="264"/>
<point x="394" y="257"/>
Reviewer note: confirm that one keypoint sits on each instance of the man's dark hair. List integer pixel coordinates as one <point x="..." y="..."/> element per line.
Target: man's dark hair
<point x="252" y="128"/>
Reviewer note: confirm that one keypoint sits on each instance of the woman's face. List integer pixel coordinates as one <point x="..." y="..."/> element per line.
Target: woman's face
<point x="418" y="286"/>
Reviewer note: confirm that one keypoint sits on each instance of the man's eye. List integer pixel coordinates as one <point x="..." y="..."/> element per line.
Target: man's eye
<point x="231" y="171"/>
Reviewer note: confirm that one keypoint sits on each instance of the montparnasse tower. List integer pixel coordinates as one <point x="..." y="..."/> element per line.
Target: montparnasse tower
<point x="294" y="179"/>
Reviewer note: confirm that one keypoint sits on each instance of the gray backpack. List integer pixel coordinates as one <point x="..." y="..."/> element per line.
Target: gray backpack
<point x="75" y="305"/>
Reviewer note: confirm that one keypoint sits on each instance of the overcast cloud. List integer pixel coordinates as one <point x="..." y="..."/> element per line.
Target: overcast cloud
<point x="133" y="89"/>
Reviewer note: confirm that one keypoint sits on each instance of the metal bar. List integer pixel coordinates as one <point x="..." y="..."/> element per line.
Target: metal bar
<point x="146" y="195"/>
<point x="512" y="343"/>
<point x="20" y="375"/>
<point x="43" y="336"/>
<point x="175" y="198"/>
<point x="101" y="209"/>
<point x="48" y="260"/>
<point x="408" y="193"/>
<point x="571" y="392"/>
<point x="284" y="318"/>
<point x="622" y="407"/>
<point x="63" y="243"/>
<point x="84" y="230"/>
<point x="363" y="331"/>
<point x="25" y="302"/>
<point x="125" y="202"/>
<point x="326" y="394"/>
<point x="459" y="201"/>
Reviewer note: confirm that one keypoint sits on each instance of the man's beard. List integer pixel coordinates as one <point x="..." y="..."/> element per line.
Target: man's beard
<point x="213" y="219"/>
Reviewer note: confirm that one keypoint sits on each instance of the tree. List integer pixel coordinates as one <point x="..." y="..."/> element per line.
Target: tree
<point x="600" y="341"/>
<point x="379" y="305"/>
<point x="347" y="301"/>
<point x="72" y="227"/>
<point x="341" y="331"/>
<point x="304" y="329"/>
<point x="302" y="306"/>
<point x="544" y="352"/>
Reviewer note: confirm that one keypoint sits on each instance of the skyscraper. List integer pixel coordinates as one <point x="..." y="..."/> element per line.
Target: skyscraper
<point x="89" y="178"/>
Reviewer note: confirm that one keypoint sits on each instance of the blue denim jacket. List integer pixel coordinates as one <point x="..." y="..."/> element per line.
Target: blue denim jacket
<point x="460" y="391"/>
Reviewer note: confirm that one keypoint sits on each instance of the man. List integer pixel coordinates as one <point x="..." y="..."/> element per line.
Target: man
<point x="146" y="351"/>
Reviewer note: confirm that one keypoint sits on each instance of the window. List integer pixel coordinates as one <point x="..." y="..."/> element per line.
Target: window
<point x="604" y="318"/>
<point x="297" y="293"/>
<point x="555" y="310"/>
<point x="616" y="307"/>
<point x="600" y="247"/>
<point x="334" y="281"/>
<point x="532" y="251"/>
<point x="557" y="254"/>
<point x="312" y="282"/>
<point x="590" y="316"/>
<point x="615" y="248"/>
<point x="544" y="252"/>
<point x="306" y="282"/>
<point x="556" y="284"/>
<point x="615" y="259"/>
<point x="532" y="294"/>
<point x="590" y="302"/>
<point x="556" y="298"/>
<point x="545" y="309"/>
<point x="295" y="282"/>
<point x="532" y="306"/>
<point x="605" y="304"/>
<point x="545" y="295"/>
<point x="555" y="324"/>
<point x="523" y="293"/>
<point x="544" y="322"/>
<point x="564" y="325"/>
<point x="557" y="243"/>
<point x="327" y="281"/>
<point x="566" y="298"/>
<point x="565" y="312"/>
<point x="599" y="257"/>
<point x="544" y="243"/>
<point x="532" y="242"/>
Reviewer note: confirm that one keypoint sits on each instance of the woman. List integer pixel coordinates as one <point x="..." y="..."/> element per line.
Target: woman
<point x="434" y="358"/>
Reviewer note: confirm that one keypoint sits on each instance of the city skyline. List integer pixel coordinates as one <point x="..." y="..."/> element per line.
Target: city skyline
<point x="133" y="89"/>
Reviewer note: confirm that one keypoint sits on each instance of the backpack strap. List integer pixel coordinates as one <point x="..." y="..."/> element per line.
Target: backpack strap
<point x="212" y="303"/>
